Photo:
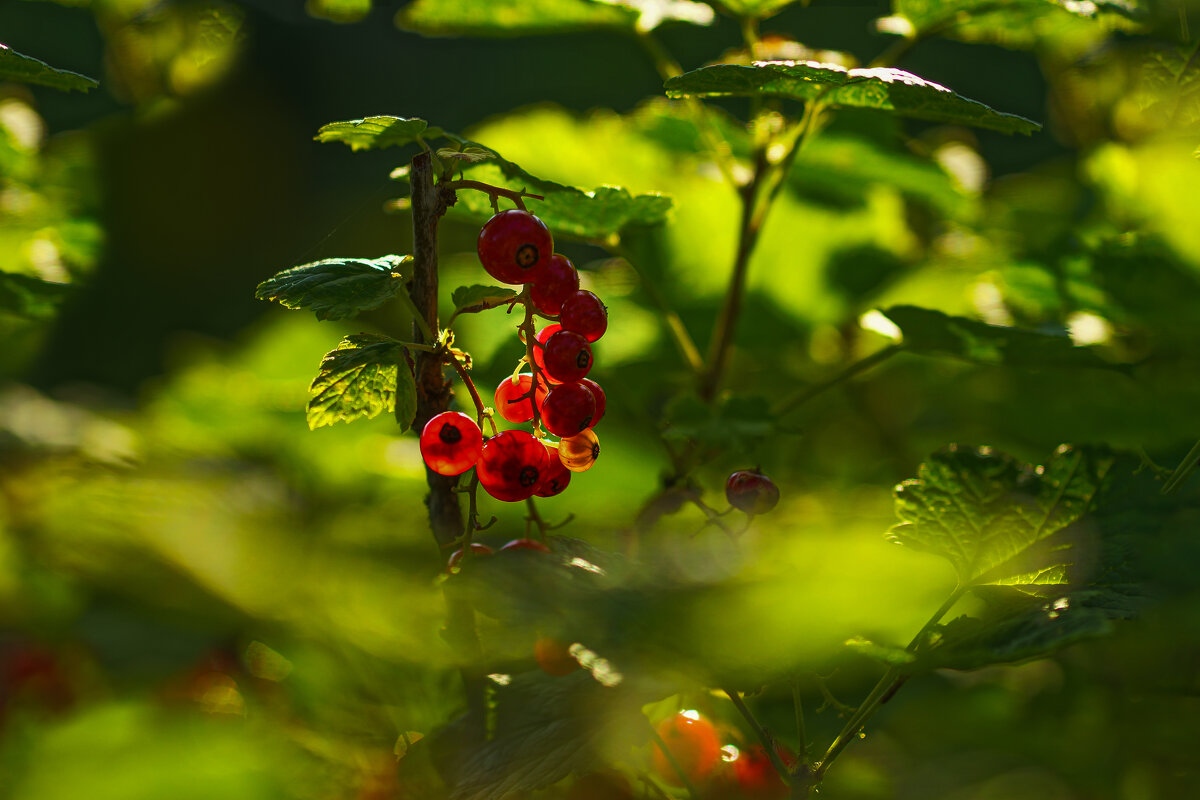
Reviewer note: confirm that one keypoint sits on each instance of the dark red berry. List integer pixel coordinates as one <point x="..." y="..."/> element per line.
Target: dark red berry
<point x="553" y="657"/>
<point x="601" y="401"/>
<point x="583" y="313"/>
<point x="568" y="409"/>
<point x="751" y="492"/>
<point x="539" y="347"/>
<point x="756" y="776"/>
<point x="578" y="453"/>
<point x="477" y="549"/>
<point x="567" y="356"/>
<point x="511" y="402"/>
<point x="693" y="743"/>
<point x="515" y="246"/>
<point x="557" y="475"/>
<point x="558" y="281"/>
<point x="512" y="465"/>
<point x="526" y="544"/>
<point x="451" y="443"/>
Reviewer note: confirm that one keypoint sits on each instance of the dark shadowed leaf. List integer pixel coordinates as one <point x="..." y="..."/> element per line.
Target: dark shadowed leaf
<point x="357" y="379"/>
<point x="339" y="10"/>
<point x="23" y="69"/>
<point x="883" y="89"/>
<point x="933" y="333"/>
<point x="992" y="516"/>
<point x="376" y="133"/>
<point x="336" y="288"/>
<point x="480" y="297"/>
<point x="33" y="298"/>
<point x="759" y="9"/>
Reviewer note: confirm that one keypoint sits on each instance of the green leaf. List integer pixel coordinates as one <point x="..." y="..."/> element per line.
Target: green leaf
<point x="759" y="9"/>
<point x="480" y="297"/>
<point x="24" y="69"/>
<point x="736" y="425"/>
<point x="339" y="10"/>
<point x="933" y="333"/>
<point x="336" y="288"/>
<point x="883" y="89"/>
<point x="405" y="410"/>
<point x="511" y="17"/>
<point x="33" y="298"/>
<point x="357" y="379"/>
<point x="1012" y="23"/>
<point x="589" y="215"/>
<point x="376" y="133"/>
<point x="990" y="515"/>
<point x="885" y="654"/>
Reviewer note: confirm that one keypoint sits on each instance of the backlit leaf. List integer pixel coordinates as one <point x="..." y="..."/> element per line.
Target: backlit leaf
<point x="24" y="69"/>
<point x="759" y="9"/>
<point x="480" y="297"/>
<point x="933" y="333"/>
<point x="357" y="379"/>
<point x="1012" y="23"/>
<point x="336" y="288"/>
<point x="33" y="298"/>
<point x="511" y="17"/>
<point x="884" y="89"/>
<point x="376" y="133"/>
<point x="339" y="10"/>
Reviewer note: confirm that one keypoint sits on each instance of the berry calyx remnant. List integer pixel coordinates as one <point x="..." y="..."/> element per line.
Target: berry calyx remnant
<point x="751" y="491"/>
<point x="512" y="465"/>
<point x="583" y="313"/>
<point x="451" y="443"/>
<point x="693" y="743"/>
<point x="477" y="549"/>
<point x="514" y="246"/>
<point x="567" y="356"/>
<point x="579" y="452"/>
<point x="568" y="409"/>
<point x="557" y="475"/>
<point x="559" y="280"/>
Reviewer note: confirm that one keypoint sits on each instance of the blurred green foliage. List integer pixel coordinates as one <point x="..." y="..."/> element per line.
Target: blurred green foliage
<point x="200" y="597"/>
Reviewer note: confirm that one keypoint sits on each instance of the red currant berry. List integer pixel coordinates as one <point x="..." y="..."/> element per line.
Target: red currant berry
<point x="601" y="401"/>
<point x="756" y="776"/>
<point x="568" y="356"/>
<point x="558" y="281"/>
<point x="539" y="347"/>
<point x="568" y="409"/>
<point x="557" y="475"/>
<point x="451" y="443"/>
<point x="553" y="657"/>
<point x="512" y="465"/>
<point x="477" y="549"/>
<point x="583" y="313"/>
<point x="511" y="402"/>
<point x="514" y="246"/>
<point x="526" y="544"/>
<point x="693" y="742"/>
<point x="578" y="453"/>
<point x="751" y="491"/>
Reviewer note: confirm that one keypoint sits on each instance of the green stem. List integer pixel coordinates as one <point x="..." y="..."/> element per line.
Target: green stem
<point x="1183" y="470"/>
<point x="790" y="404"/>
<point x="802" y="752"/>
<point x="768" y="742"/>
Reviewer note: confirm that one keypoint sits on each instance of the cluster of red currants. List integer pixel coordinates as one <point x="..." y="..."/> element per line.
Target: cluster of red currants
<point x="516" y="247"/>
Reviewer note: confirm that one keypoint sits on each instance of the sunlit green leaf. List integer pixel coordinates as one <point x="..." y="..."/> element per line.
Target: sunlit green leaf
<point x="357" y="379"/>
<point x="511" y="17"/>
<point x="21" y="68"/>
<point x="933" y="333"/>
<point x="885" y="654"/>
<point x="884" y="89"/>
<point x="1012" y="23"/>
<point x="375" y="133"/>
<point x="480" y="297"/>
<point x="31" y="297"/>
<point x="336" y="288"/>
<point x="759" y="9"/>
<point x="339" y="10"/>
<point x="986" y="512"/>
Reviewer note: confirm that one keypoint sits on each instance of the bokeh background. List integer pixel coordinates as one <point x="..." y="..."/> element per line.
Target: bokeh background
<point x="199" y="597"/>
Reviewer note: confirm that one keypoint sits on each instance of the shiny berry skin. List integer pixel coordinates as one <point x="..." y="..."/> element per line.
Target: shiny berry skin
<point x="512" y="465"/>
<point x="539" y="347"/>
<point x="509" y="401"/>
<point x="756" y="776"/>
<point x="578" y="453"/>
<point x="568" y="356"/>
<point x="601" y="401"/>
<point x="477" y="549"/>
<point x="751" y="491"/>
<point x="568" y="409"/>
<point x="583" y="313"/>
<point x="515" y="246"/>
<point x="558" y="281"/>
<point x="525" y="544"/>
<point x="557" y="475"/>
<point x="693" y="742"/>
<point x="553" y="657"/>
<point x="451" y="443"/>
